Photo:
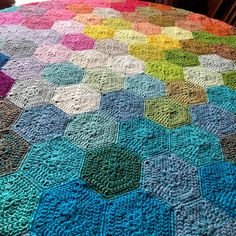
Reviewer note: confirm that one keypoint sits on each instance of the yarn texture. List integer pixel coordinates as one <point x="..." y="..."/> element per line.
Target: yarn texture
<point x="117" y="118"/>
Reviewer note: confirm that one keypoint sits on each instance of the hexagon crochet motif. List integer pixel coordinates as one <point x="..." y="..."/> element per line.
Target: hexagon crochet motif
<point x="145" y="86"/>
<point x="122" y="105"/>
<point x="166" y="112"/>
<point x="214" y="119"/>
<point x="46" y="163"/>
<point x="27" y="93"/>
<point x="62" y="73"/>
<point x="77" y="42"/>
<point x="52" y="53"/>
<point x="112" y="171"/>
<point x="117" y="23"/>
<point x="126" y="65"/>
<point x="81" y="130"/>
<point x="41" y="123"/>
<point x="177" y="33"/>
<point x="222" y="96"/>
<point x="218" y="185"/>
<point x="147" y="28"/>
<point x="38" y="22"/>
<point x="195" y="145"/>
<point x="144" y="137"/>
<point x="111" y="47"/>
<point x="68" y="27"/>
<point x="76" y="99"/>
<point x="71" y="206"/>
<point x="163" y="42"/>
<point x="216" y="63"/>
<point x="164" y="70"/>
<point x="19" y="48"/>
<point x="23" y="68"/>
<point x="99" y="31"/>
<point x="186" y="93"/>
<point x="106" y="12"/>
<point x="130" y="37"/>
<point x="103" y="80"/>
<point x="18" y="197"/>
<point x="125" y="216"/>
<point x="145" y="52"/>
<point x="89" y="59"/>
<point x="209" y="220"/>
<point x="171" y="179"/>
<point x="202" y="76"/>
<point x="88" y="18"/>
<point x="181" y="58"/>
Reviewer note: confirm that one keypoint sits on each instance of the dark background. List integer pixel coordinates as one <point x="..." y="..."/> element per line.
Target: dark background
<point x="224" y="10"/>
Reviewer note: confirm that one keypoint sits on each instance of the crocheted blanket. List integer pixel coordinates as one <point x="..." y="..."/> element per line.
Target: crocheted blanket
<point x="116" y="118"/>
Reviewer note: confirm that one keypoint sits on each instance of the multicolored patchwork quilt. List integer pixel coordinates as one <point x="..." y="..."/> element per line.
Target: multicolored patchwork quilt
<point x="116" y="118"/>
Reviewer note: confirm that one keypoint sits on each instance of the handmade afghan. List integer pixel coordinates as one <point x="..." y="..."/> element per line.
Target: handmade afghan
<point x="116" y="118"/>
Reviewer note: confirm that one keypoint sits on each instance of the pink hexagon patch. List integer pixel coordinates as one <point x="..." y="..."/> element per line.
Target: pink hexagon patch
<point x="60" y="14"/>
<point x="8" y="18"/>
<point x="77" y="42"/>
<point x="52" y="53"/>
<point x="38" y="22"/>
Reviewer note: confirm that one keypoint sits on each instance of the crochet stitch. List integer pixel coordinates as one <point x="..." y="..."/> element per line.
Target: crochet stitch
<point x="18" y="198"/>
<point x="111" y="47"/>
<point x="125" y="215"/>
<point x="23" y="68"/>
<point x="214" y="119"/>
<point x="3" y="60"/>
<point x="222" y="96"/>
<point x="19" y="48"/>
<point x="164" y="70"/>
<point x="9" y="113"/>
<point x="117" y="118"/>
<point x="228" y="147"/>
<point x="6" y="83"/>
<point x="202" y="76"/>
<point x="12" y="149"/>
<point x="76" y="99"/>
